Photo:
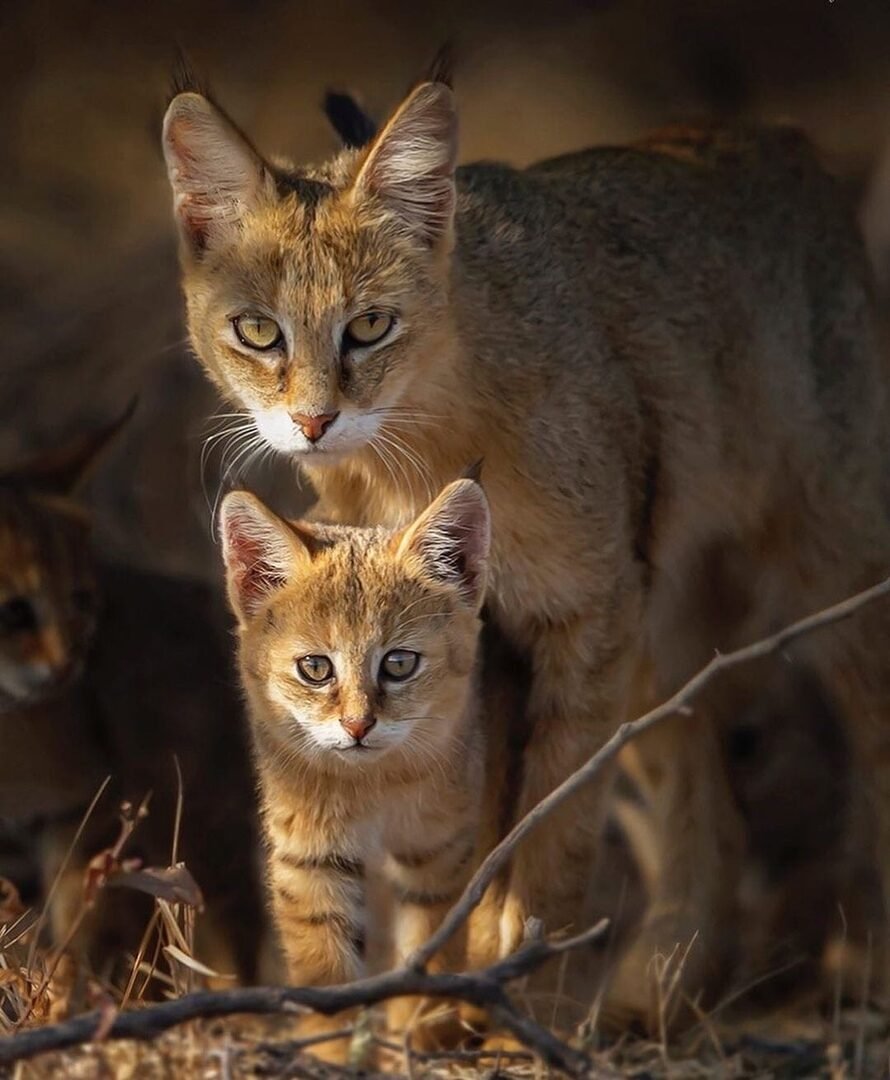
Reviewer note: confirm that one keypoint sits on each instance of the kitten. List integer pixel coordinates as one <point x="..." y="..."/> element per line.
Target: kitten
<point x="650" y="377"/>
<point x="110" y="671"/>
<point x="358" y="654"/>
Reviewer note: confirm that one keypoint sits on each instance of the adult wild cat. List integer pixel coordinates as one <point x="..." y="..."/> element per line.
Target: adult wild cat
<point x="663" y="352"/>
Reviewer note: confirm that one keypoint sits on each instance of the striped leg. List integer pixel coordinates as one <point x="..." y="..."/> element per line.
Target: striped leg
<point x="316" y="879"/>
<point x="432" y="852"/>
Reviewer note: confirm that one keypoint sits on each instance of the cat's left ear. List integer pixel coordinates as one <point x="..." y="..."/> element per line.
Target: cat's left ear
<point x="410" y="165"/>
<point x="451" y="540"/>
<point x="65" y="469"/>
<point x="262" y="551"/>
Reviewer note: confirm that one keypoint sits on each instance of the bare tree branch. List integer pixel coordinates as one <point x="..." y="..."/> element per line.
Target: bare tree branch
<point x="500" y="855"/>
<point x="483" y="988"/>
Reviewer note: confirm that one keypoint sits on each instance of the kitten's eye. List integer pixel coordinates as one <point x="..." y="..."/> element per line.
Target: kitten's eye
<point x="315" y="669"/>
<point x="257" y="332"/>
<point x="17" y="615"/>
<point x="367" y="329"/>
<point x="399" y="664"/>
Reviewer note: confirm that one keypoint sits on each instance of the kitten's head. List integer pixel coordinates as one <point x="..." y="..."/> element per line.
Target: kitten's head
<point x="47" y="582"/>
<point x="316" y="296"/>
<point x="358" y="644"/>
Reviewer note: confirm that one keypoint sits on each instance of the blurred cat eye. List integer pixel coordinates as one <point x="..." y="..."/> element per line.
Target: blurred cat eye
<point x="257" y="332"/>
<point x="399" y="664"/>
<point x="17" y="615"/>
<point x="315" y="669"/>
<point x="367" y="329"/>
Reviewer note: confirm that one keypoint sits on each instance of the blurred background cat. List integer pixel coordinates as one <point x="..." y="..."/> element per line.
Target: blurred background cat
<point x="111" y="671"/>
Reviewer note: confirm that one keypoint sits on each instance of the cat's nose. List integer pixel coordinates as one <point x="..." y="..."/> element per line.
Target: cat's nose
<point x="358" y="726"/>
<point x="313" y="427"/>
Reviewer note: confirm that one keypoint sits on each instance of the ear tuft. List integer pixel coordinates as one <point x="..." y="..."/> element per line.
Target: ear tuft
<point x="215" y="173"/>
<point x="261" y="552"/>
<point x="410" y="166"/>
<point x="452" y="539"/>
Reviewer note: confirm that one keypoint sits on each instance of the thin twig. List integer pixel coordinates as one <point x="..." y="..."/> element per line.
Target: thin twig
<point x="501" y="855"/>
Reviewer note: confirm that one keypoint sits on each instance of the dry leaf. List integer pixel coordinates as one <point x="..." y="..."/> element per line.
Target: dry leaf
<point x="173" y="883"/>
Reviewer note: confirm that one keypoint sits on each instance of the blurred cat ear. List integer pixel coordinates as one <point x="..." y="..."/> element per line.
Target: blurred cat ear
<point x="452" y="539"/>
<point x="215" y="173"/>
<point x="64" y="469"/>
<point x="261" y="551"/>
<point x="410" y="165"/>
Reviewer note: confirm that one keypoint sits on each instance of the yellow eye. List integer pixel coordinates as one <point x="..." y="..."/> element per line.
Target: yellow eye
<point x="368" y="329"/>
<point x="315" y="669"/>
<point x="399" y="664"/>
<point x="257" y="332"/>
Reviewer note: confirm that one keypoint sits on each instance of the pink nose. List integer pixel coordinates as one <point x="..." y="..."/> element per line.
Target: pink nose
<point x="313" y="427"/>
<point x="358" y="726"/>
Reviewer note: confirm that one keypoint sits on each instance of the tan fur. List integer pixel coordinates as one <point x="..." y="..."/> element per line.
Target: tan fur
<point x="660" y="351"/>
<point x="412" y="788"/>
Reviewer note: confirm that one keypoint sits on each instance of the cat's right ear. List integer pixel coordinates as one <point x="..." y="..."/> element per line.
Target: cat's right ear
<point x="451" y="540"/>
<point x="215" y="173"/>
<point x="410" y="165"/>
<point x="262" y="552"/>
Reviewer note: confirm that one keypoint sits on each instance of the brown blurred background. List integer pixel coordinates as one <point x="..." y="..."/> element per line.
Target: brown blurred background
<point x="89" y="299"/>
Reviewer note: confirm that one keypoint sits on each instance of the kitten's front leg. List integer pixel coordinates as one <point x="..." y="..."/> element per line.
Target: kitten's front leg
<point x="316" y="882"/>
<point x="432" y="851"/>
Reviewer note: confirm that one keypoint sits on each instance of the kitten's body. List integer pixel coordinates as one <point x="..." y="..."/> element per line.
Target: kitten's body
<point x="661" y="352"/>
<point x="363" y="766"/>
<point x="113" y="672"/>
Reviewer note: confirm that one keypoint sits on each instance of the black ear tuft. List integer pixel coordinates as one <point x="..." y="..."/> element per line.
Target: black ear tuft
<point x="441" y="67"/>
<point x="350" y="121"/>
<point x="185" y="78"/>
<point x="474" y="471"/>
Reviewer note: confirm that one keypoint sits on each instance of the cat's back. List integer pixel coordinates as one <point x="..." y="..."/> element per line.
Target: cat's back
<point x="721" y="186"/>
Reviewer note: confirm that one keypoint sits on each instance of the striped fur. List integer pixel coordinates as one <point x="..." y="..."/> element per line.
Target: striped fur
<point x="407" y="794"/>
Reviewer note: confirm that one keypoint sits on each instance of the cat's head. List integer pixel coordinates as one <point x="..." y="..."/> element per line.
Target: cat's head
<point x="48" y="600"/>
<point x="358" y="644"/>
<point x="316" y="296"/>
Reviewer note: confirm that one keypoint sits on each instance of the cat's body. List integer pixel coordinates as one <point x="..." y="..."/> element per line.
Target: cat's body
<point x="111" y="672"/>
<point x="664" y="355"/>
<point x="381" y="758"/>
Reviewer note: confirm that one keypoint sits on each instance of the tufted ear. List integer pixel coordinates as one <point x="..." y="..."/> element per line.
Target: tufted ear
<point x="215" y="173"/>
<point x="262" y="551"/>
<point x="451" y="540"/>
<point x="410" y="165"/>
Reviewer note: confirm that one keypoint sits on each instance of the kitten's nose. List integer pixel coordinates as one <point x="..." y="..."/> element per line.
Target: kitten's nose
<point x="358" y="726"/>
<point x="313" y="427"/>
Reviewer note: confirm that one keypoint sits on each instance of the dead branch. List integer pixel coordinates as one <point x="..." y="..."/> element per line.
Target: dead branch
<point x="484" y="989"/>
<point x="501" y="855"/>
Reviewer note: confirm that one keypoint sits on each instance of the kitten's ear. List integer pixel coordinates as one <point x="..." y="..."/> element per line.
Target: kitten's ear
<point x="410" y="165"/>
<point x="215" y="173"/>
<point x="262" y="552"/>
<point x="452" y="539"/>
<point x="65" y="469"/>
